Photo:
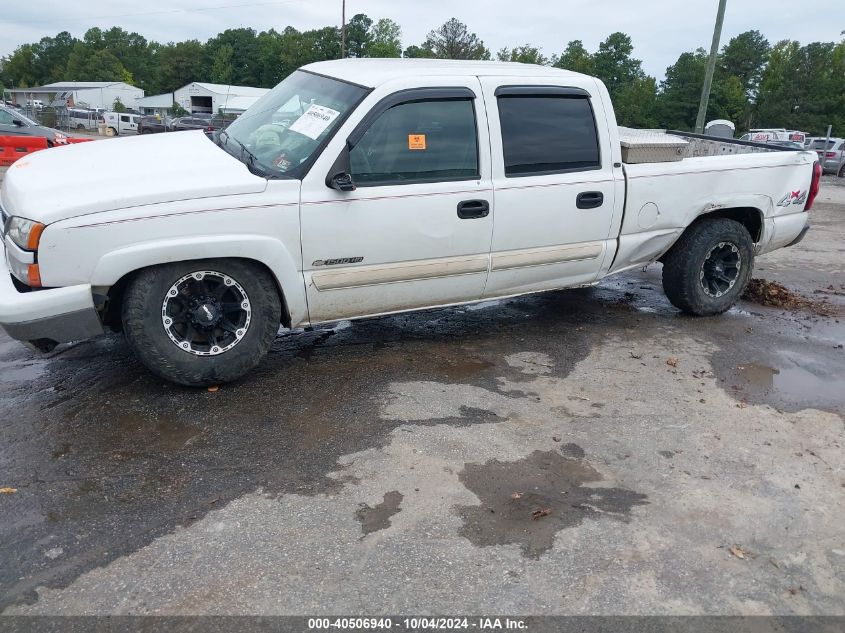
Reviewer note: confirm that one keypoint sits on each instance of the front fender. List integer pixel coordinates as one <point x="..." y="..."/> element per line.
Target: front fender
<point x="269" y="251"/>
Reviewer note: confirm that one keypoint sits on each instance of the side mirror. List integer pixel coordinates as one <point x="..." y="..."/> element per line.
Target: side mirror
<point x="340" y="174"/>
<point x="18" y="122"/>
<point x="342" y="181"/>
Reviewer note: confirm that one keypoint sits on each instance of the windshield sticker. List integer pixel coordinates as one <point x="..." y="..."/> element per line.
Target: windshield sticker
<point x="416" y="141"/>
<point x="315" y="121"/>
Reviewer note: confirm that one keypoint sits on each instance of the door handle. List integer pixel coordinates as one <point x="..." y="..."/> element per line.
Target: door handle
<point x="589" y="200"/>
<point x="472" y="209"/>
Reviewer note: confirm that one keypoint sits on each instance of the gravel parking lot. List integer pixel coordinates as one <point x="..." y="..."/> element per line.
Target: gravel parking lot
<point x="580" y="452"/>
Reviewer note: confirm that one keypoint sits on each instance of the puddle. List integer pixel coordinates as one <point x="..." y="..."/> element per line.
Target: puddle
<point x="790" y="386"/>
<point x="529" y="501"/>
<point x="458" y="369"/>
<point x="378" y="517"/>
<point x="482" y="305"/>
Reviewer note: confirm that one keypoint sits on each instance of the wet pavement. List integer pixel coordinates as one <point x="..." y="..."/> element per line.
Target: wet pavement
<point x="587" y="451"/>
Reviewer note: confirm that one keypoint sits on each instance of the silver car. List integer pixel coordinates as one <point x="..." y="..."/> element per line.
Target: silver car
<point x="14" y="123"/>
<point x="831" y="157"/>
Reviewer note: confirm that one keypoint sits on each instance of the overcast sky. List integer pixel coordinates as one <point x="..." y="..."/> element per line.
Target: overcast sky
<point x="661" y="29"/>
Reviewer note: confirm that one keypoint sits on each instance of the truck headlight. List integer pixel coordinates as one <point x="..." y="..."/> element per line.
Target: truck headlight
<point x="25" y="233"/>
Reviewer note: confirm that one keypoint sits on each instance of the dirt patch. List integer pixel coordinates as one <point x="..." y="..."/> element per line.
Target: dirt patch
<point x="529" y="501"/>
<point x="771" y="293"/>
<point x="378" y="517"/>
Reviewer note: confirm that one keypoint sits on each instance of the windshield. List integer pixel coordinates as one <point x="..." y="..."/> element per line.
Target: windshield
<point x="19" y="115"/>
<point x="281" y="131"/>
<point x="820" y="143"/>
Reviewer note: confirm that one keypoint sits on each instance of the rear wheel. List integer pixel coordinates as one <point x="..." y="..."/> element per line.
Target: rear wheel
<point x="708" y="268"/>
<point x="110" y="131"/>
<point x="203" y="322"/>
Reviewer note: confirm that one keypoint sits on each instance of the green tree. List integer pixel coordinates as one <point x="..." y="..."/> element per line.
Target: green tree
<point x="636" y="103"/>
<point x="680" y="92"/>
<point x="385" y="40"/>
<point x="525" y="54"/>
<point x="576" y="58"/>
<point x="20" y="69"/>
<point x="52" y="54"/>
<point x="452" y="40"/>
<point x="99" y="65"/>
<point x="244" y="58"/>
<point x="118" y="106"/>
<point x="179" y="63"/>
<point x="358" y="36"/>
<point x="222" y="70"/>
<point x="744" y="57"/>
<point x="613" y="63"/>
<point x="803" y="87"/>
<point x="729" y="100"/>
<point x="416" y="52"/>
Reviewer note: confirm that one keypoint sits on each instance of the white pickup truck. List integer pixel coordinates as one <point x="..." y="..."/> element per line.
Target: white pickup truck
<point x="365" y="187"/>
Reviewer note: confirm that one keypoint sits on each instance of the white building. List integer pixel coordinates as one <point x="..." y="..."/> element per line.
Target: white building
<point x="215" y="98"/>
<point x="156" y="104"/>
<point x="91" y="94"/>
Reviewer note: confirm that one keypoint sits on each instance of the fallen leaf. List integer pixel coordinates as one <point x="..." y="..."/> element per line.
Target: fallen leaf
<point x="737" y="551"/>
<point x="672" y="361"/>
<point x="540" y="513"/>
<point x="8" y="491"/>
<point x="213" y="389"/>
<point x="635" y="355"/>
<point x="516" y="495"/>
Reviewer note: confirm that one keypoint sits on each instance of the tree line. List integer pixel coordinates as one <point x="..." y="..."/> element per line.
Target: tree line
<point x="756" y="84"/>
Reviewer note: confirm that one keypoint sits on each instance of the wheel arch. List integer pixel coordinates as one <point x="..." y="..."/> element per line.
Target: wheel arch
<point x="116" y="269"/>
<point x="752" y="218"/>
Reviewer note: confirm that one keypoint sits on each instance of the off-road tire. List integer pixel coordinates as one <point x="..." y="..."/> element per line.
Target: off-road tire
<point x="683" y="264"/>
<point x="146" y="335"/>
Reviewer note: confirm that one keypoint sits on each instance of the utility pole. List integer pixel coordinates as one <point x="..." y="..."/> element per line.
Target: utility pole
<point x="711" y="67"/>
<point x="343" y="30"/>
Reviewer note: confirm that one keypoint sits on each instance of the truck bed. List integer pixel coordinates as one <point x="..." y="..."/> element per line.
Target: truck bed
<point x="664" y="196"/>
<point x="661" y="146"/>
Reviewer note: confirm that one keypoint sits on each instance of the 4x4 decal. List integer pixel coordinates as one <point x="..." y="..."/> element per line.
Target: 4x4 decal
<point x="793" y="197"/>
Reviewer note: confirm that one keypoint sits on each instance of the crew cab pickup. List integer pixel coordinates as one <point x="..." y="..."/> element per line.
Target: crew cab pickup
<point x="365" y="187"/>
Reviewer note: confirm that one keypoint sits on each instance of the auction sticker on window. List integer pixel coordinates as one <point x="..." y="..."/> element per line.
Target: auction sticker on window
<point x="416" y="141"/>
<point x="315" y="121"/>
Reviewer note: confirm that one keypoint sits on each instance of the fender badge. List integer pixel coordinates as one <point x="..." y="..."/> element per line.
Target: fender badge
<point x="339" y="260"/>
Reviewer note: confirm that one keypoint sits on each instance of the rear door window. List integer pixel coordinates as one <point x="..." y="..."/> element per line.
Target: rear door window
<point x="547" y="134"/>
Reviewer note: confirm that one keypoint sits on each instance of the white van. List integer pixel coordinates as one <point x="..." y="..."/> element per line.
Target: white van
<point x="121" y="123"/>
<point x="764" y="135"/>
<point x="82" y="119"/>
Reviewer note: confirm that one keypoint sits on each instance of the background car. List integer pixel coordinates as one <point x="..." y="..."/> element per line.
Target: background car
<point x="152" y="125"/>
<point x="207" y="123"/>
<point x="789" y="144"/>
<point x="832" y="156"/>
<point x="13" y="123"/>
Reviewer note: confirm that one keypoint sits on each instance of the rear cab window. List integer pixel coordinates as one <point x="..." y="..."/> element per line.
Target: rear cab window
<point x="547" y="130"/>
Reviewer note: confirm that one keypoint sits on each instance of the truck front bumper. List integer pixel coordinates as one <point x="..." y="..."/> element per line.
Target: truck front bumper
<point x="57" y="315"/>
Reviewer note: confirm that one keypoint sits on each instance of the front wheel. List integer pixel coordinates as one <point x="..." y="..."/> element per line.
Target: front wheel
<point x="202" y="322"/>
<point x="709" y="267"/>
